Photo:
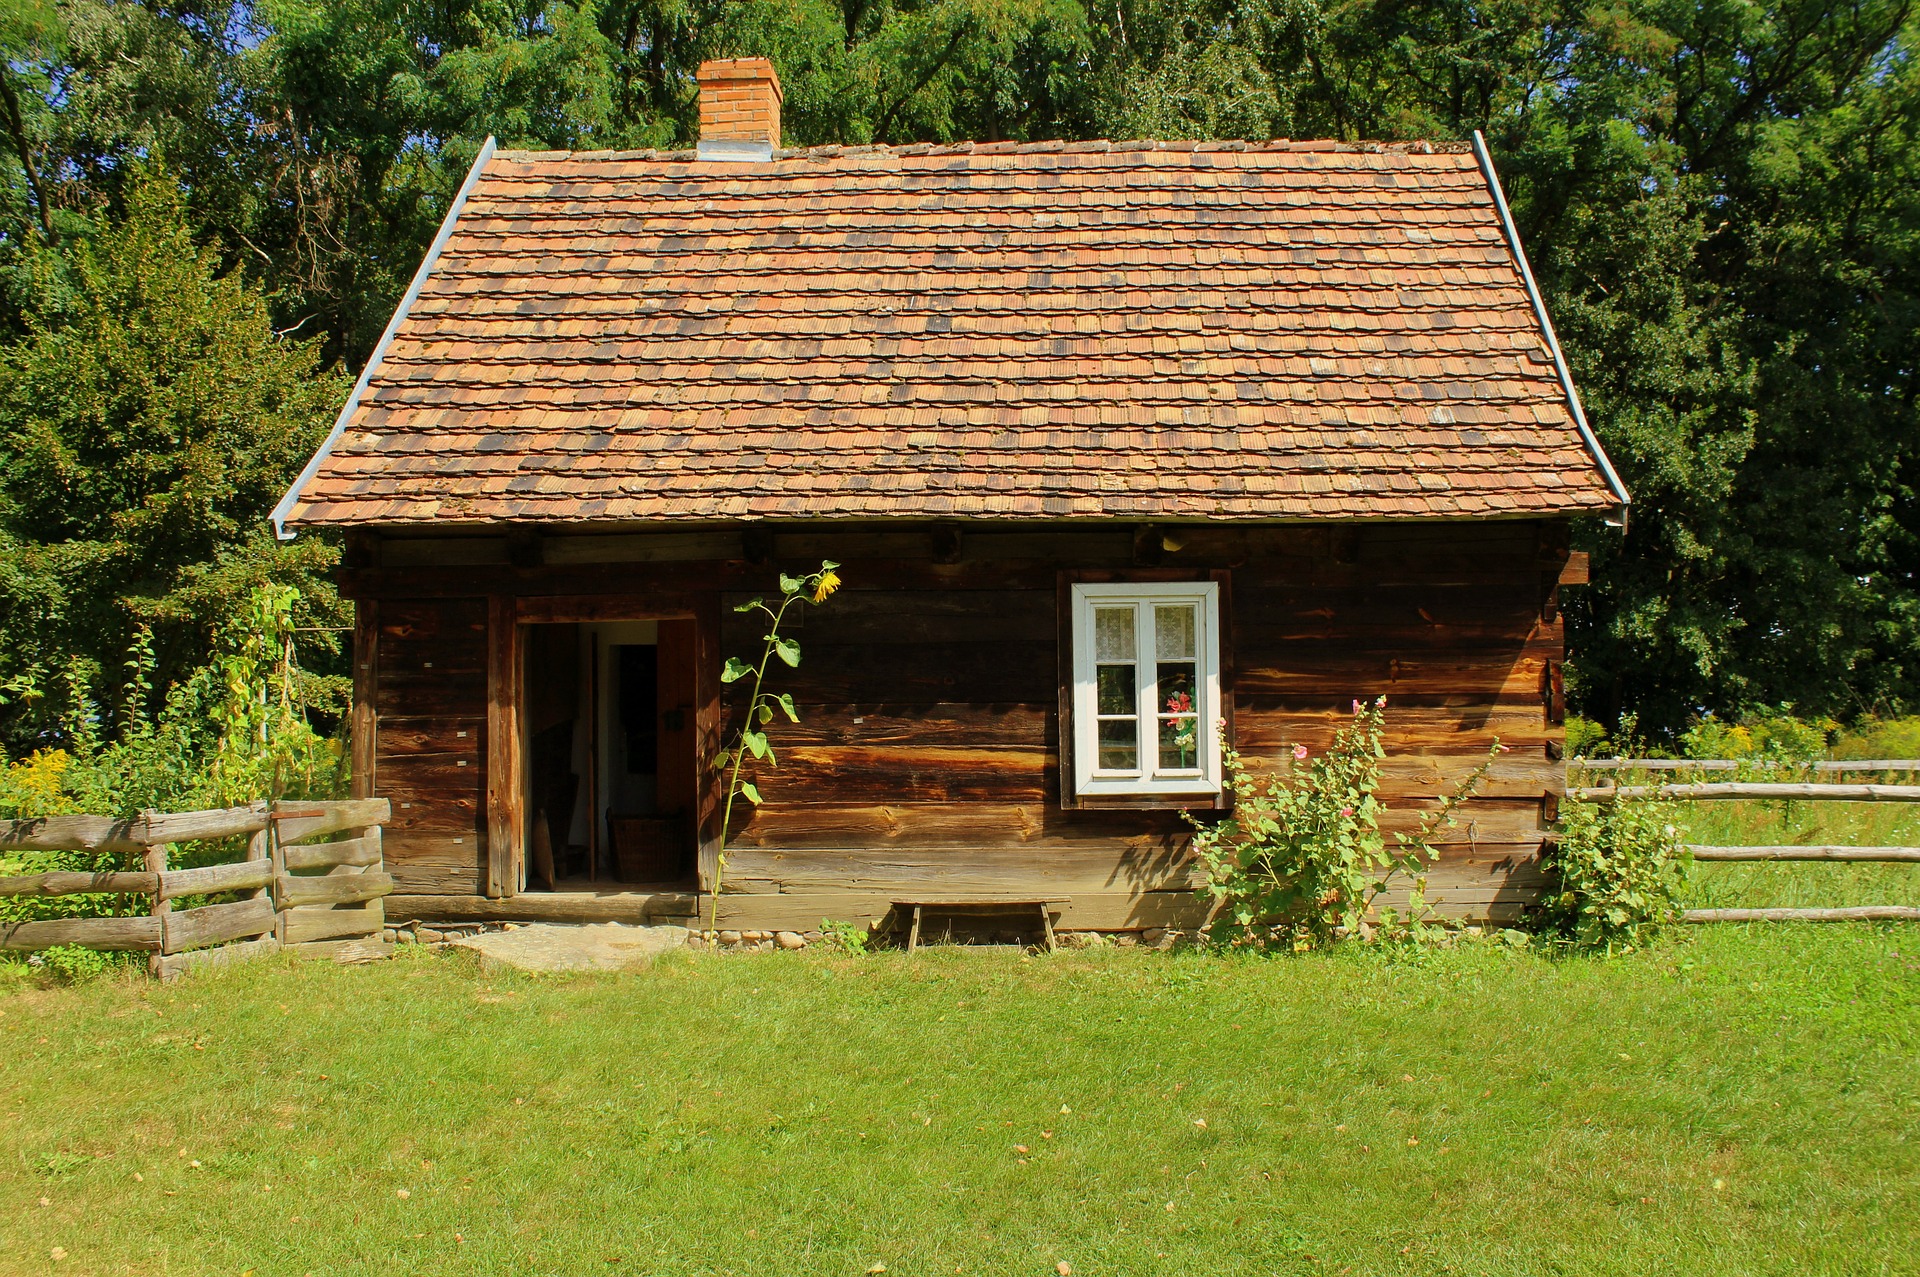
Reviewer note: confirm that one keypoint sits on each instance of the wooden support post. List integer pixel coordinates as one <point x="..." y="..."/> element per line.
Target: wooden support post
<point x="366" y="670"/>
<point x="278" y="855"/>
<point x="156" y="863"/>
<point x="504" y="823"/>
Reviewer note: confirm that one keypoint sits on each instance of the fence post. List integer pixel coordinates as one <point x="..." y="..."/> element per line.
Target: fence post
<point x="278" y="856"/>
<point x="155" y="859"/>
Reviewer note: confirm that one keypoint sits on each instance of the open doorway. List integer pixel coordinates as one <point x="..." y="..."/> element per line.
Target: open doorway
<point x="611" y="772"/>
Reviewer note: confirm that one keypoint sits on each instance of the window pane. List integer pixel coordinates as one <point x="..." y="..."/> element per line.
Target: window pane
<point x="1175" y="695"/>
<point x="1115" y="689"/>
<point x="1173" y="632"/>
<point x="1180" y="742"/>
<point x="1179" y="723"/>
<point x="1119" y="745"/>
<point x="1113" y="634"/>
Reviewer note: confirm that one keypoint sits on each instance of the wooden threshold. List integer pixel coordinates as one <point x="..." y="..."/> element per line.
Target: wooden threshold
<point x="635" y="907"/>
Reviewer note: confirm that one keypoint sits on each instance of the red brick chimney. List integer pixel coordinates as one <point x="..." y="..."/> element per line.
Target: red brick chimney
<point x="739" y="109"/>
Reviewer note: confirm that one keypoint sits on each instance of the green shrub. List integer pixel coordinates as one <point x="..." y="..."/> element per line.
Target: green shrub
<point x="73" y="963"/>
<point x="1766" y="735"/>
<point x="234" y="732"/>
<point x="848" y="937"/>
<point x="1300" y="860"/>
<point x="1585" y="738"/>
<point x="1621" y="869"/>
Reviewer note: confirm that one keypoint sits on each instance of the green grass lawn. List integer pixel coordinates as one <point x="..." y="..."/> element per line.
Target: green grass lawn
<point x="1737" y="1100"/>
<point x="1800" y="884"/>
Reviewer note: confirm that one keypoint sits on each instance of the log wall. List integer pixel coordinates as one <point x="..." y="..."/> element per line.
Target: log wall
<point x="930" y="694"/>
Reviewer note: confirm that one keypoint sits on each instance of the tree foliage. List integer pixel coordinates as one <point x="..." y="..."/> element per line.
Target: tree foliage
<point x="149" y="416"/>
<point x="1719" y="198"/>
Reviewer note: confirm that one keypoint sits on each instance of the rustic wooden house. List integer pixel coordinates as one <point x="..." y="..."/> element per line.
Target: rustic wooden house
<point x="1129" y="450"/>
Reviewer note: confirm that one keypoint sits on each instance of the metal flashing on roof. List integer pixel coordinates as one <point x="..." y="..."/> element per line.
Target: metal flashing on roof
<point x="1592" y="441"/>
<point x="734" y="151"/>
<point x="286" y="504"/>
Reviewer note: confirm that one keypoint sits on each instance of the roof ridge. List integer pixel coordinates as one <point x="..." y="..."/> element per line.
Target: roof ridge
<point x="836" y="150"/>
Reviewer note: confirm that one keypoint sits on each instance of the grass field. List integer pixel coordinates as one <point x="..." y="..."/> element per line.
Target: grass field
<point x="1740" y="1100"/>
<point x="1800" y="883"/>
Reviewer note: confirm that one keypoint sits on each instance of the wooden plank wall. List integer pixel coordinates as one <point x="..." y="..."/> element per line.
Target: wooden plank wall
<point x="929" y="698"/>
<point x="430" y="716"/>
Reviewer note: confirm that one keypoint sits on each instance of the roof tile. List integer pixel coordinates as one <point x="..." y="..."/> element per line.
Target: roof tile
<point x="1137" y="330"/>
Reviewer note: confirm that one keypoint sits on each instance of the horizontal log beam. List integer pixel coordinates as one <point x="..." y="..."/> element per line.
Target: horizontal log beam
<point x="1889" y="854"/>
<point x="543" y="906"/>
<point x="1758" y="790"/>
<point x="1858" y="913"/>
<point x="103" y="833"/>
<point x="241" y="875"/>
<point x="139" y="934"/>
<point x="80" y="884"/>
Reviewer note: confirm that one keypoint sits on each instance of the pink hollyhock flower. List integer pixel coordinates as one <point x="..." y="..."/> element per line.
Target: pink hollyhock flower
<point x="1299" y="753"/>
<point x="1346" y="811"/>
<point x="1381" y="701"/>
<point x="1356" y="705"/>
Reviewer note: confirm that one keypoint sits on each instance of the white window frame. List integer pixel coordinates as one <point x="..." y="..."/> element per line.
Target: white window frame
<point x="1089" y="779"/>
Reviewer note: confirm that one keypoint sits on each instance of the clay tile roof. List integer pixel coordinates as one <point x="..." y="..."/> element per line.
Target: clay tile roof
<point x="1132" y="330"/>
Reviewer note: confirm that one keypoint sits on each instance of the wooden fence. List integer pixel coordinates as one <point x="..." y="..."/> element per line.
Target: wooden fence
<point x="1800" y="791"/>
<point x="297" y="892"/>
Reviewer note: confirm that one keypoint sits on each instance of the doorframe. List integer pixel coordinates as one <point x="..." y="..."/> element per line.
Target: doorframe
<point x="508" y="616"/>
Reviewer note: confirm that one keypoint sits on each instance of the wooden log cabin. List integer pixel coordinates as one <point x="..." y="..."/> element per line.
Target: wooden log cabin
<point x="1128" y="451"/>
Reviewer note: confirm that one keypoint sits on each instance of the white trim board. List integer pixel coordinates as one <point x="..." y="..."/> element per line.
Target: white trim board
<point x="1512" y="233"/>
<point x="285" y="507"/>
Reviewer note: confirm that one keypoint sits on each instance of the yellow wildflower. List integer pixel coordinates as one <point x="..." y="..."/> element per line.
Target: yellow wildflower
<point x="826" y="583"/>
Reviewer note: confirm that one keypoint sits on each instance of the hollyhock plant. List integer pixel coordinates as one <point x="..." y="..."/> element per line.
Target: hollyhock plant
<point x="1300" y="859"/>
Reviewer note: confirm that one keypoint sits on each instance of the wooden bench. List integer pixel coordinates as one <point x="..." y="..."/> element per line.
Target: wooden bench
<point x="1047" y="906"/>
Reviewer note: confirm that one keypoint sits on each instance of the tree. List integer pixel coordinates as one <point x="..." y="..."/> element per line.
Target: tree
<point x="148" y="422"/>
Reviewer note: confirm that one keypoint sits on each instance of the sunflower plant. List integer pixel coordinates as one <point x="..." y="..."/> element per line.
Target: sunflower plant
<point x="750" y="741"/>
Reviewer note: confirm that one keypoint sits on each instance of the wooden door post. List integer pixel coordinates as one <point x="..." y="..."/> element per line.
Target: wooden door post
<point x="504" y="771"/>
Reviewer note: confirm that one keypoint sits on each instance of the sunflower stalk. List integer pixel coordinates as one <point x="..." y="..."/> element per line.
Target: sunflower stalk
<point x="751" y="738"/>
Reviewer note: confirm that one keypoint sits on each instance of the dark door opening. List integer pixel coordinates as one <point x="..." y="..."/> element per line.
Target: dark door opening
<point x="611" y="772"/>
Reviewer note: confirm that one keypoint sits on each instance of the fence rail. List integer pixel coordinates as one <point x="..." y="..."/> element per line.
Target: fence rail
<point x="1794" y="791"/>
<point x="1736" y="764"/>
<point x="299" y="893"/>
<point x="1711" y="790"/>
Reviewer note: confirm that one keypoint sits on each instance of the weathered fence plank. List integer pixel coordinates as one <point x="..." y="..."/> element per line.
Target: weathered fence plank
<point x="134" y="834"/>
<point x="79" y="884"/>
<point x="343" y="889"/>
<point x="320" y="923"/>
<point x="139" y="934"/>
<point x="240" y="875"/>
<point x="1888" y="854"/>
<point x="325" y="855"/>
<point x="297" y="822"/>
<point x="1756" y="790"/>
<point x="215" y="924"/>
<point x="173" y="965"/>
<point x="1856" y="913"/>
